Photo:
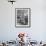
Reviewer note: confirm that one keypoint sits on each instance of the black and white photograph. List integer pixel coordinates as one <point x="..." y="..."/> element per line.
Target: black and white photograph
<point x="22" y="17"/>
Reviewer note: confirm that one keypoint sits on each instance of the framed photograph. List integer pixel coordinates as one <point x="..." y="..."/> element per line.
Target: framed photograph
<point x="22" y="17"/>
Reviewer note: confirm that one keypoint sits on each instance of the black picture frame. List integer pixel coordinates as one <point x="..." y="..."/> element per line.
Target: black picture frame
<point x="22" y="17"/>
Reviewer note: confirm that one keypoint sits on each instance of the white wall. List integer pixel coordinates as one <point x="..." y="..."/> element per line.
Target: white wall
<point x="8" y="30"/>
